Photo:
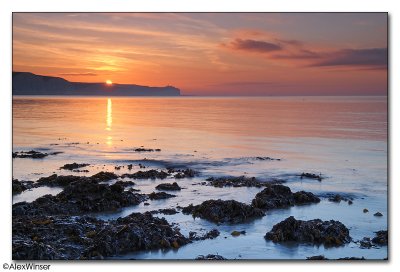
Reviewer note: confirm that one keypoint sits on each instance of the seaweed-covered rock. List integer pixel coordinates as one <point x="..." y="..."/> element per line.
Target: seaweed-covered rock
<point x="187" y="173"/>
<point x="150" y="174"/>
<point x="280" y="196"/>
<point x="135" y="232"/>
<point x="328" y="233"/>
<point x="210" y="257"/>
<point x="160" y="195"/>
<point x="212" y="234"/>
<point x="381" y="237"/>
<point x="29" y="154"/>
<point x="72" y="166"/>
<point x="104" y="176"/>
<point x="241" y="181"/>
<point x="20" y="186"/>
<point x="70" y="237"/>
<point x="62" y="181"/>
<point x="81" y="197"/>
<point x="223" y="211"/>
<point x="168" y="187"/>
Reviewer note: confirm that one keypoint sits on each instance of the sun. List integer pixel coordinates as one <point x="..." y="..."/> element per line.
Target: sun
<point x="109" y="82"/>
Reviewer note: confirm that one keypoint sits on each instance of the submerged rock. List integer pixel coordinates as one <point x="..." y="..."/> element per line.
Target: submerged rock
<point x="210" y="257"/>
<point x="72" y="166"/>
<point x="328" y="233"/>
<point x="280" y="196"/>
<point x="150" y="174"/>
<point x="160" y="195"/>
<point x="223" y="211"/>
<point x="80" y="197"/>
<point x="311" y="176"/>
<point x="168" y="187"/>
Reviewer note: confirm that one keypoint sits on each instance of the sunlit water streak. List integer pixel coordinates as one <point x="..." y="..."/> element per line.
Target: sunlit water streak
<point x="344" y="138"/>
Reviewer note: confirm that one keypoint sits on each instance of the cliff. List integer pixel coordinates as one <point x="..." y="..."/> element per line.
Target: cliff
<point x="24" y="83"/>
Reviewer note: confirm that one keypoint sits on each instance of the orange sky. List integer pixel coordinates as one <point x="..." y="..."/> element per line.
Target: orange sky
<point x="210" y="53"/>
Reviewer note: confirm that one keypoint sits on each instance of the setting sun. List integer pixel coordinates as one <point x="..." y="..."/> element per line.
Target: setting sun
<point x="109" y="82"/>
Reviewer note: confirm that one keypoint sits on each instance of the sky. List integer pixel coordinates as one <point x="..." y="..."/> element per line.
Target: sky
<point x="210" y="53"/>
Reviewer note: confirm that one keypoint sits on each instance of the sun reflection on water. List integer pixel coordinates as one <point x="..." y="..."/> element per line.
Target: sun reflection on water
<point x="109" y="114"/>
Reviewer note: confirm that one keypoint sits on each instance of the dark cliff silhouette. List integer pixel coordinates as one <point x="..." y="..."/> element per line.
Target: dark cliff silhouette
<point x="24" y="83"/>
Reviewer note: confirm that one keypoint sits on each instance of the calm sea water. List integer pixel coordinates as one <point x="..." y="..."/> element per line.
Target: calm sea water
<point x="344" y="138"/>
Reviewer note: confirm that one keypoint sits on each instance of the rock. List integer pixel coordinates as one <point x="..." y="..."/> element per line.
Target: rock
<point x="351" y="259"/>
<point x="168" y="211"/>
<point x="72" y="166"/>
<point x="311" y="176"/>
<point x="146" y="204"/>
<point x="141" y="149"/>
<point x="223" y="211"/>
<point x="180" y="174"/>
<point x="61" y="181"/>
<point x="280" y="196"/>
<point x="318" y="257"/>
<point x="381" y="237"/>
<point x="71" y="238"/>
<point x="80" y="197"/>
<point x="237" y="233"/>
<point x="20" y="186"/>
<point x="130" y="166"/>
<point x="365" y="243"/>
<point x="350" y="202"/>
<point x="365" y="210"/>
<point x="150" y="174"/>
<point x="328" y="233"/>
<point x="104" y="176"/>
<point x="125" y="183"/>
<point x="29" y="154"/>
<point x="210" y="257"/>
<point x="378" y="214"/>
<point x="168" y="187"/>
<point x="160" y="195"/>
<point x="241" y="181"/>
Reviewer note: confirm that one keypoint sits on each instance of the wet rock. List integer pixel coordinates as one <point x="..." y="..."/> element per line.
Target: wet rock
<point x="62" y="181"/>
<point x="365" y="243"/>
<point x="187" y="173"/>
<point x="365" y="211"/>
<point x="311" y="176"/>
<point x="168" y="187"/>
<point x="280" y="196"/>
<point x="351" y="259"/>
<point x="381" y="237"/>
<point x="141" y="149"/>
<point x="80" y="197"/>
<point x="168" y="211"/>
<point x="212" y="234"/>
<point x="266" y="159"/>
<point x="328" y="233"/>
<point x="20" y="186"/>
<point x="160" y="195"/>
<point x="211" y="257"/>
<point x="237" y="233"/>
<point x="66" y="237"/>
<point x="130" y="166"/>
<point x="125" y="183"/>
<point x="338" y="198"/>
<point x="378" y="214"/>
<point x="150" y="174"/>
<point x="29" y="154"/>
<point x="223" y="211"/>
<point x="317" y="257"/>
<point x="104" y="176"/>
<point x="241" y="181"/>
<point x="72" y="166"/>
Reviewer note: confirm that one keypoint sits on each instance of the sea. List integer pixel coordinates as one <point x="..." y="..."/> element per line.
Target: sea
<point x="342" y="138"/>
